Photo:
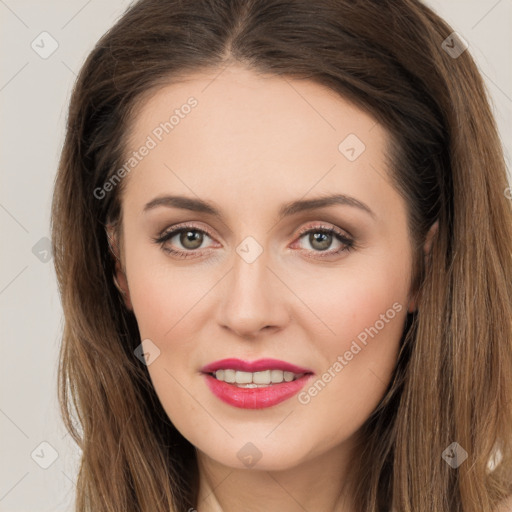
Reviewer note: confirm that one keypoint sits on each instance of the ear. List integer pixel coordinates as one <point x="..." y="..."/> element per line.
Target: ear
<point x="119" y="278"/>
<point x="426" y="251"/>
<point x="121" y="283"/>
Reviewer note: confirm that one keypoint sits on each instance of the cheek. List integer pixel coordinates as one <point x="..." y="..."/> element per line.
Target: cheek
<point x="366" y="316"/>
<point x="163" y="296"/>
<point x="164" y="302"/>
<point x="368" y="308"/>
<point x="357" y="303"/>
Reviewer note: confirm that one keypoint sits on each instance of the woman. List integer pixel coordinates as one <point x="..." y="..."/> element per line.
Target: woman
<point x="283" y="242"/>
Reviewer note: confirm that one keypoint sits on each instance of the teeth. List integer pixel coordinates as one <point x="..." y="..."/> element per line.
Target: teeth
<point x="277" y="375"/>
<point x="229" y="376"/>
<point x="260" y="377"/>
<point x="255" y="379"/>
<point x="243" y="377"/>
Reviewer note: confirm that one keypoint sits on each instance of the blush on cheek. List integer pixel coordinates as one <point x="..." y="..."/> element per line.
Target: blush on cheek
<point x="368" y="326"/>
<point x="165" y="310"/>
<point x="157" y="310"/>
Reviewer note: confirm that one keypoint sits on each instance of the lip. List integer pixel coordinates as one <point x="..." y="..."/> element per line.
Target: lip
<point x="254" y="366"/>
<point x="255" y="398"/>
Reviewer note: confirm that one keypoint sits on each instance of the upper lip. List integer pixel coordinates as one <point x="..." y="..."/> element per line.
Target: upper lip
<point x="253" y="366"/>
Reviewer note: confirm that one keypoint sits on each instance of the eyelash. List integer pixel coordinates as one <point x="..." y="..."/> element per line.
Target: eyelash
<point x="349" y="244"/>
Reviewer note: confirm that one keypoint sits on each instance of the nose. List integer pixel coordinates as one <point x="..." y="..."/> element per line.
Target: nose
<point x="254" y="299"/>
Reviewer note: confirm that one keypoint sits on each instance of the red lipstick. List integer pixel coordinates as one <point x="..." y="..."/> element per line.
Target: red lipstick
<point x="254" y="366"/>
<point x="266" y="395"/>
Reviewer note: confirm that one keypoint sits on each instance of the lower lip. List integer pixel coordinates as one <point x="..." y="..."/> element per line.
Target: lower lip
<point x="255" y="398"/>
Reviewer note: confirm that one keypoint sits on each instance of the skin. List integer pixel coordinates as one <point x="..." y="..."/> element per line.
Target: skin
<point x="253" y="143"/>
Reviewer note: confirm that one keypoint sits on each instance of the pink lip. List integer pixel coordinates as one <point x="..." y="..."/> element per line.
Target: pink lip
<point x="255" y="398"/>
<point x="254" y="366"/>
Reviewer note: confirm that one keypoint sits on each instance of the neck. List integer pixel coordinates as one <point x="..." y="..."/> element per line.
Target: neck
<point x="314" y="484"/>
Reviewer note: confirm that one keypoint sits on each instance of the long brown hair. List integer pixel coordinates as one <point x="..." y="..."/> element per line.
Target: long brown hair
<point x="453" y="377"/>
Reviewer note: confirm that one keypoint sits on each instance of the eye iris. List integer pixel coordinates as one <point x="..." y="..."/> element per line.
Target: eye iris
<point x="191" y="236"/>
<point x="314" y="237"/>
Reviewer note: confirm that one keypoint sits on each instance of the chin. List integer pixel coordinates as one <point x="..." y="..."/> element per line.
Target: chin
<point x="256" y="455"/>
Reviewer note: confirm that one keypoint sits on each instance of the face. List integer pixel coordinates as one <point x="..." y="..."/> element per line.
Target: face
<point x="261" y="269"/>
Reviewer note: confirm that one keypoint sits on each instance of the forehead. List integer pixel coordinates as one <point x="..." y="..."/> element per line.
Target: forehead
<point x="243" y="101"/>
<point x="244" y="133"/>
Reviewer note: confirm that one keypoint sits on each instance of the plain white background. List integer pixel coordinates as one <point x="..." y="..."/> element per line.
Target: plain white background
<point x="34" y="95"/>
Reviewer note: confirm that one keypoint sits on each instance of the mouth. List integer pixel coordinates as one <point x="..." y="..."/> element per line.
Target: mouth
<point x="254" y="385"/>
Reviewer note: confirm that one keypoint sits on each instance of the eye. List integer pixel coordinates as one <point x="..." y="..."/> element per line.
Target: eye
<point x="190" y="237"/>
<point x="320" y="238"/>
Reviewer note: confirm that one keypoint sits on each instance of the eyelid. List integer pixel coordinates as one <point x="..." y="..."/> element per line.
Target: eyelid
<point x="348" y="242"/>
<point x="305" y="229"/>
<point x="322" y="226"/>
<point x="176" y="228"/>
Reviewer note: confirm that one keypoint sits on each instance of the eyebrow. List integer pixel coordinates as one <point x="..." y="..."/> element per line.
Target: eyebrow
<point x="291" y="208"/>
